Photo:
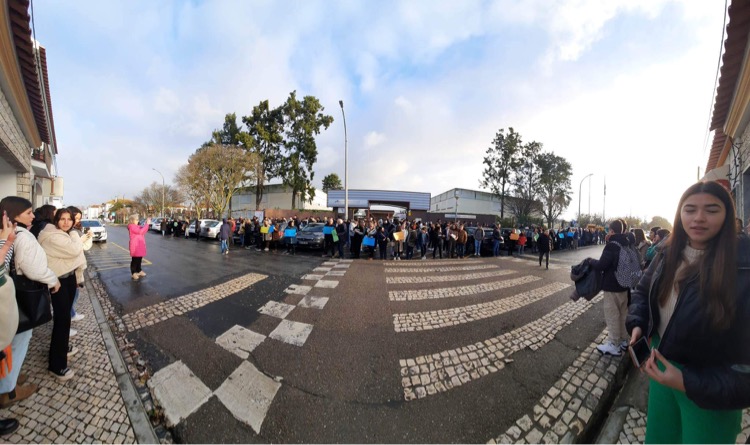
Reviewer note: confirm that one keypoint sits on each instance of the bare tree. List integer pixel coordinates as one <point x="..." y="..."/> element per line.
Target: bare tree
<point x="215" y="173"/>
<point x="151" y="199"/>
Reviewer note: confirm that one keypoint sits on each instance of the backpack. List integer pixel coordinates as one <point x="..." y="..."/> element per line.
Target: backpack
<point x="628" y="271"/>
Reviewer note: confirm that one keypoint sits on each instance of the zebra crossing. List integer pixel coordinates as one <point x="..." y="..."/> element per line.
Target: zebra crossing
<point x="110" y="255"/>
<point x="498" y="286"/>
<point x="247" y="393"/>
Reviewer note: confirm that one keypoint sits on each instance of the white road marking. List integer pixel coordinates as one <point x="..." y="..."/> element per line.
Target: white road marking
<point x="240" y="341"/>
<point x="439" y="372"/>
<point x="336" y="273"/>
<point x="247" y="394"/>
<point x="421" y="263"/>
<point x="460" y="291"/>
<point x="276" y="309"/>
<point x="444" y="278"/>
<point x="292" y="332"/>
<point x="178" y="391"/>
<point x="313" y="277"/>
<point x="329" y="284"/>
<point x="177" y="306"/>
<point x="322" y="269"/>
<point x="297" y="289"/>
<point x="393" y="270"/>
<point x="420" y="321"/>
<point x="313" y="302"/>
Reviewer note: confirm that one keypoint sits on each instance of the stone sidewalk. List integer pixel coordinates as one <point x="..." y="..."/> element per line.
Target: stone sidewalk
<point x="99" y="405"/>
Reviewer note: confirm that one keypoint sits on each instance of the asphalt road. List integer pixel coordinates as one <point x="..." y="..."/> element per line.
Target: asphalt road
<point x="345" y="382"/>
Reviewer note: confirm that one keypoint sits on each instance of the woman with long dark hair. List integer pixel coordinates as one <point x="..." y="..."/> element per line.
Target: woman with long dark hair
<point x="29" y="260"/>
<point x="693" y="304"/>
<point x="64" y="249"/>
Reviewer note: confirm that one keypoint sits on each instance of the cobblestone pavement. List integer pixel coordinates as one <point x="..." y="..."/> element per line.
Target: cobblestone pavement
<point x="569" y="403"/>
<point x="89" y="408"/>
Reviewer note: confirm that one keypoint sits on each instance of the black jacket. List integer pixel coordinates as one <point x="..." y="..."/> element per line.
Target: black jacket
<point x="716" y="369"/>
<point x="608" y="262"/>
<point x="543" y="242"/>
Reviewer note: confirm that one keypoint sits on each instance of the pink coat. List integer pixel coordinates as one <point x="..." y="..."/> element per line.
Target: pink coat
<point x="137" y="240"/>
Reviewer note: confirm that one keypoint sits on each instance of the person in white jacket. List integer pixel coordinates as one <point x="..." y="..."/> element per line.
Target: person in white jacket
<point x="64" y="249"/>
<point x="31" y="261"/>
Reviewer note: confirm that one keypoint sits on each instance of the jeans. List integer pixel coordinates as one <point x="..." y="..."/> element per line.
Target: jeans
<point x="496" y="247"/>
<point x="409" y="252"/>
<point x="383" y="249"/>
<point x="224" y="246"/>
<point x="340" y="243"/>
<point x="73" y="308"/>
<point x="477" y="247"/>
<point x="20" y="346"/>
<point x="460" y="248"/>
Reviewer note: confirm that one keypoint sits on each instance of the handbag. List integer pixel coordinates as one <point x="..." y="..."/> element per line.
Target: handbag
<point x="368" y="241"/>
<point x="33" y="299"/>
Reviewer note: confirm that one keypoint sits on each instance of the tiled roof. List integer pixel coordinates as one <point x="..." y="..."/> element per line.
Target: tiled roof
<point x="716" y="148"/>
<point x="43" y="57"/>
<point x="734" y="55"/>
<point x="19" y="22"/>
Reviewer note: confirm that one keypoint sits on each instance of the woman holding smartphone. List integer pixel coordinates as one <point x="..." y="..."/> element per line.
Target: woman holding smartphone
<point x="64" y="249"/>
<point x="693" y="304"/>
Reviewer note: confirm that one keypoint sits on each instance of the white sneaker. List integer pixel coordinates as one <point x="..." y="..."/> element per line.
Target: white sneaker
<point x="609" y="348"/>
<point x="78" y="317"/>
<point x="72" y="350"/>
<point x="624" y="345"/>
<point x="73" y="333"/>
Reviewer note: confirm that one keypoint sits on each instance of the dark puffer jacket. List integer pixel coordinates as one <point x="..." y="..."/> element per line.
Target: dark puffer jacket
<point x="608" y="262"/>
<point x="716" y="369"/>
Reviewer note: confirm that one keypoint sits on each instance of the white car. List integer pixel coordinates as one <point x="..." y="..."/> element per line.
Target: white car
<point x="191" y="227"/>
<point x="96" y="228"/>
<point x="211" y="229"/>
<point x="156" y="224"/>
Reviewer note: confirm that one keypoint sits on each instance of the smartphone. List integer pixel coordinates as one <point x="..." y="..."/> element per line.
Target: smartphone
<point x="639" y="352"/>
<point x="86" y="229"/>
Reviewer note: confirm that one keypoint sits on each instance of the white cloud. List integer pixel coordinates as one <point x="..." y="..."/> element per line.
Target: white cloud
<point x="426" y="86"/>
<point x="374" y="139"/>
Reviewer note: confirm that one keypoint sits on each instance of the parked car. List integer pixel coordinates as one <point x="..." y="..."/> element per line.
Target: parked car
<point x="311" y="236"/>
<point x="191" y="227"/>
<point x="487" y="243"/>
<point x="96" y="228"/>
<point x="156" y="224"/>
<point x="211" y="229"/>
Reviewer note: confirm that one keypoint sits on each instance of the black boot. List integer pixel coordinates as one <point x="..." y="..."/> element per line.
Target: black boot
<point x="7" y="426"/>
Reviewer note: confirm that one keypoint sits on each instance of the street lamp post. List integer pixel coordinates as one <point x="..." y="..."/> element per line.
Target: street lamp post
<point x="579" y="195"/>
<point x="162" y="191"/>
<point x="346" y="165"/>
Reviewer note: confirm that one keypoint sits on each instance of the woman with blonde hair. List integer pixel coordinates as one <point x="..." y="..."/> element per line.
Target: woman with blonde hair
<point x="137" y="245"/>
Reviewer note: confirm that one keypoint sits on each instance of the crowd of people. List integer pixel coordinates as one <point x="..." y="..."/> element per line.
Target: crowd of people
<point x="40" y="250"/>
<point x="392" y="238"/>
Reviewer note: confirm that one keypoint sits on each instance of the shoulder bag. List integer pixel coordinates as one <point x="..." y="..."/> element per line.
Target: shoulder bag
<point x="33" y="298"/>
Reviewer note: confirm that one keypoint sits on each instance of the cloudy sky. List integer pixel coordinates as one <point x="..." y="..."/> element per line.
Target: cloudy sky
<point x="622" y="89"/>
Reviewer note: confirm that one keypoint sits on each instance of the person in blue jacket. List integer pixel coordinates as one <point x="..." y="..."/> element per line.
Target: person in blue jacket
<point x="693" y="304"/>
